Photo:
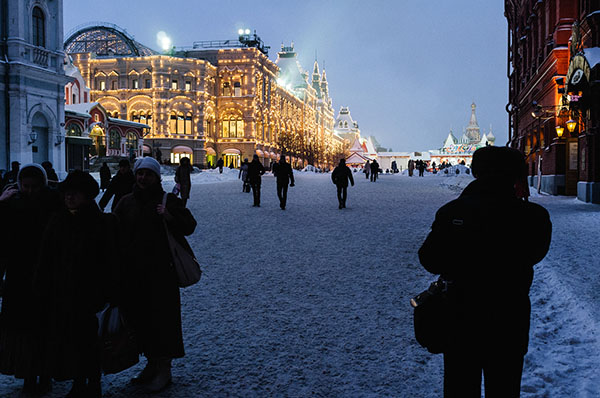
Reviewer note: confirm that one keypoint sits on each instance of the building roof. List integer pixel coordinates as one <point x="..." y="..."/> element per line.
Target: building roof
<point x="104" y="39"/>
<point x="291" y="74"/>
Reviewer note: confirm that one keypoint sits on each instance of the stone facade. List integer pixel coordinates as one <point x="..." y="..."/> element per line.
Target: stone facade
<point x="32" y="83"/>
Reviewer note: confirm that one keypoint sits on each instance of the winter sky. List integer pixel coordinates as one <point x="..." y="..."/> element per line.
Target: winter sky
<point x="407" y="69"/>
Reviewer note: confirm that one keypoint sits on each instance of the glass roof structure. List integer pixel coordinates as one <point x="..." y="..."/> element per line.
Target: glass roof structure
<point x="104" y="40"/>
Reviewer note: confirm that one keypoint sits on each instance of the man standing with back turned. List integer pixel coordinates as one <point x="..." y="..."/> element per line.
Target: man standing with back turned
<point x="488" y="290"/>
<point x="285" y="175"/>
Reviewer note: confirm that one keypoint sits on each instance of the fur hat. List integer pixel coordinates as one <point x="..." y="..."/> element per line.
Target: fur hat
<point x="81" y="181"/>
<point x="31" y="169"/>
<point x="147" y="163"/>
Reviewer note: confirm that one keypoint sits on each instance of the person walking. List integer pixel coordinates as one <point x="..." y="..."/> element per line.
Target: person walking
<point x="340" y="177"/>
<point x="285" y="176"/>
<point x="150" y="299"/>
<point x="72" y="291"/>
<point x="255" y="171"/>
<point x="244" y="176"/>
<point x="488" y="291"/>
<point x="50" y="173"/>
<point x="374" y="170"/>
<point x="183" y="177"/>
<point x="411" y="167"/>
<point x="367" y="169"/>
<point x="105" y="176"/>
<point x="120" y="185"/>
<point x="220" y="165"/>
<point x="25" y="209"/>
<point x="421" y="168"/>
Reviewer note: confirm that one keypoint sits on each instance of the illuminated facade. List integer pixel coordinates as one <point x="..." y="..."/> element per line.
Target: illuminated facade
<point x="228" y="103"/>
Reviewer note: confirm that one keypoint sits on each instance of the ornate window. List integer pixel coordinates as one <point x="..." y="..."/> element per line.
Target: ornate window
<point x="180" y="124"/>
<point x="188" y="86"/>
<point x="226" y="89"/>
<point x="114" y="139"/>
<point x="132" y="141"/>
<point x="173" y="123"/>
<point x="188" y="124"/>
<point x="174" y="84"/>
<point x="102" y="85"/>
<point x="73" y="130"/>
<point x="38" y="27"/>
<point x="148" y="83"/>
<point x="237" y="89"/>
<point x="232" y="127"/>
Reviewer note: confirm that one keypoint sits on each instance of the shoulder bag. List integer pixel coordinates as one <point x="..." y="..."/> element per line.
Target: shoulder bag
<point x="432" y="316"/>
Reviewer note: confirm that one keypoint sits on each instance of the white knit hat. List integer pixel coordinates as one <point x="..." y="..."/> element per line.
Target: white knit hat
<point x="35" y="166"/>
<point x="147" y="162"/>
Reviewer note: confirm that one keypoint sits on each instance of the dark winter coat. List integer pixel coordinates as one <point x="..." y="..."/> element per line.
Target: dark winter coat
<point x="375" y="167"/>
<point x="255" y="170"/>
<point x="23" y="223"/>
<point x="184" y="179"/>
<point x="151" y="296"/>
<point x="119" y="186"/>
<point x="104" y="177"/>
<point x="77" y="275"/>
<point x="487" y="242"/>
<point x="341" y="175"/>
<point x="284" y="173"/>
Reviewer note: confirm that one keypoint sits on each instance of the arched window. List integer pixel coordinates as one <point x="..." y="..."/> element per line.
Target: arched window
<point x="38" y="27"/>
<point x="114" y="139"/>
<point x="132" y="141"/>
<point x="135" y="117"/>
<point x="232" y="127"/>
<point x="180" y="123"/>
<point x="173" y="123"/>
<point x="73" y="130"/>
<point x="188" y="124"/>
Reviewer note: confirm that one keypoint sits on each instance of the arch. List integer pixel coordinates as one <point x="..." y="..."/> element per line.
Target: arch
<point x="231" y="151"/>
<point x="74" y="128"/>
<point x="46" y="111"/>
<point x="210" y="151"/>
<point x="182" y="149"/>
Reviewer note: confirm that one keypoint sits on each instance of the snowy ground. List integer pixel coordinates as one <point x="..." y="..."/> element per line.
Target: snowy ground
<point x="314" y="301"/>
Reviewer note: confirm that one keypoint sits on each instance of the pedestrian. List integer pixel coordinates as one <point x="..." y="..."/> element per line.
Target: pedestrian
<point x="367" y="169"/>
<point x="220" y="165"/>
<point x="285" y="177"/>
<point x="411" y="167"/>
<point x="72" y="285"/>
<point x="50" y="173"/>
<point x="255" y="171"/>
<point x="340" y="177"/>
<point x="150" y="298"/>
<point x="10" y="177"/>
<point x="421" y="168"/>
<point x="374" y="170"/>
<point x="488" y="291"/>
<point x="105" y="176"/>
<point x="120" y="185"/>
<point x="183" y="178"/>
<point x="244" y="176"/>
<point x="25" y="209"/>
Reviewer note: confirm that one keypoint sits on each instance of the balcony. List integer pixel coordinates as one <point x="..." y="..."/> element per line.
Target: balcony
<point x="40" y="56"/>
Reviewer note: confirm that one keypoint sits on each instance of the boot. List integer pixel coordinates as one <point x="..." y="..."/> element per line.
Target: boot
<point x="162" y="378"/>
<point x="78" y="389"/>
<point x="94" y="388"/>
<point x="147" y="374"/>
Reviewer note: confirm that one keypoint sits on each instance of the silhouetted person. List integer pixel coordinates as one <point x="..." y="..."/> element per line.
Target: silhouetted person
<point x="411" y="167"/>
<point x="10" y="177"/>
<point x="51" y="174"/>
<point x="488" y="289"/>
<point x="244" y="175"/>
<point x="421" y="168"/>
<point x="255" y="171"/>
<point x="120" y="185"/>
<point x="374" y="170"/>
<point x="105" y="176"/>
<point x="220" y="165"/>
<point x="183" y="177"/>
<point x="367" y="169"/>
<point x="340" y="177"/>
<point x="285" y="176"/>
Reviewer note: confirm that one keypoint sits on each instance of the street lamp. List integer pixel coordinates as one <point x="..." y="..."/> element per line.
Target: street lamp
<point x="559" y="131"/>
<point x="571" y="124"/>
<point x="59" y="139"/>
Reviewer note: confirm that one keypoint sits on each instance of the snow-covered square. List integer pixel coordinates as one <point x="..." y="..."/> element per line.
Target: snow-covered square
<point x="313" y="301"/>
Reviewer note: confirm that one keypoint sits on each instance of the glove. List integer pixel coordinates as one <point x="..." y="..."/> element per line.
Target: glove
<point x="292" y="184"/>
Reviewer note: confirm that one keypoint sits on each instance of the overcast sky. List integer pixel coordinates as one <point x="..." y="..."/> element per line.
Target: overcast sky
<point x="408" y="69"/>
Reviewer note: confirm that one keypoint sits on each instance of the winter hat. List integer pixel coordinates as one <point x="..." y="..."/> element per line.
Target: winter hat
<point x="498" y="163"/>
<point x="81" y="181"/>
<point x="32" y="170"/>
<point x="147" y="163"/>
<point x="124" y="163"/>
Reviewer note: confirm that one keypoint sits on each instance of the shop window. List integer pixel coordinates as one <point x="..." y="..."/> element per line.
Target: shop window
<point x="114" y="139"/>
<point x="226" y="89"/>
<point x="38" y="27"/>
<point x="237" y="89"/>
<point x="188" y="86"/>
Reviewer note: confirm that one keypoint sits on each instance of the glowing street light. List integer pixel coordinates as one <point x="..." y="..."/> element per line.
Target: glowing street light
<point x="247" y="31"/>
<point x="571" y="124"/>
<point x="559" y="131"/>
<point x="163" y="41"/>
<point x="241" y="32"/>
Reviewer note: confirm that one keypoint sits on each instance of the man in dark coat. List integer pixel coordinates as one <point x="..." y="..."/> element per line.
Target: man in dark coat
<point x="121" y="184"/>
<point x="183" y="177"/>
<point x="488" y="288"/>
<point x="104" y="176"/>
<point x="255" y="170"/>
<point x="374" y="170"/>
<point x="220" y="165"/>
<point x="285" y="176"/>
<point x="10" y="177"/>
<point x="340" y="177"/>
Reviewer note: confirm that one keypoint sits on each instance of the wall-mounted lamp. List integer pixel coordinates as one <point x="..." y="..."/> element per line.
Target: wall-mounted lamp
<point x="571" y="124"/>
<point x="33" y="136"/>
<point x="559" y="131"/>
<point x="59" y="139"/>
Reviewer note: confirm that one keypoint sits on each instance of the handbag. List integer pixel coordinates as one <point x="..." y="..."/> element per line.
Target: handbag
<point x="431" y="316"/>
<point x="186" y="266"/>
<point x="119" y="348"/>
